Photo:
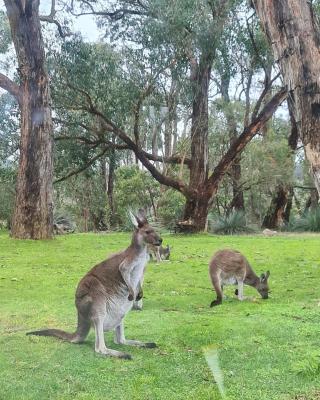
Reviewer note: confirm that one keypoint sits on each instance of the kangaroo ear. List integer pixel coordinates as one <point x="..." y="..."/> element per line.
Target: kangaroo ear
<point x="267" y="274"/>
<point x="262" y="277"/>
<point x="133" y="219"/>
<point x="141" y="217"/>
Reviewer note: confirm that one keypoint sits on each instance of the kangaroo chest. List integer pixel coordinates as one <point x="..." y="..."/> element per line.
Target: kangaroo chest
<point x="137" y="268"/>
<point x="119" y="305"/>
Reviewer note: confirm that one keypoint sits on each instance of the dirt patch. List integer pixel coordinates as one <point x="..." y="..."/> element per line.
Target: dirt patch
<point x="311" y="396"/>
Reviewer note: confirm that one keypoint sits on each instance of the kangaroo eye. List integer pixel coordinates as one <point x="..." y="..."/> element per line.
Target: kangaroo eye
<point x="148" y="231"/>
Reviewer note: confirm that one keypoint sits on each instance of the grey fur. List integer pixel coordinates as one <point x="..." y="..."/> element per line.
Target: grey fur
<point x="230" y="266"/>
<point x="106" y="293"/>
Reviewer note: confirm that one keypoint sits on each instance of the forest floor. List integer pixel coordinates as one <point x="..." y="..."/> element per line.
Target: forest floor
<point x="266" y="349"/>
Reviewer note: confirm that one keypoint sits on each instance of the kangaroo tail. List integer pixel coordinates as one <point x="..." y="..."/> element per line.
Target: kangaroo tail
<point x="56" y="333"/>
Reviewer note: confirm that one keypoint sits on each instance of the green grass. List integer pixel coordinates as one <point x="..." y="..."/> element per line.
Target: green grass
<point x="268" y="349"/>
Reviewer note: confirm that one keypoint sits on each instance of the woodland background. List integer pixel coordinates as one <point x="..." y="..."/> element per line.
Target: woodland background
<point x="172" y="109"/>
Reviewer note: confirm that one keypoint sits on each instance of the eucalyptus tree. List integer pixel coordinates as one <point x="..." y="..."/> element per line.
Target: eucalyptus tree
<point x="293" y="33"/>
<point x="243" y="60"/>
<point x="32" y="216"/>
<point x="180" y="37"/>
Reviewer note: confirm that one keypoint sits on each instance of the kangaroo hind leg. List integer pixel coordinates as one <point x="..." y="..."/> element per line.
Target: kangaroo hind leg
<point x="218" y="288"/>
<point x="100" y="346"/>
<point x="119" y="338"/>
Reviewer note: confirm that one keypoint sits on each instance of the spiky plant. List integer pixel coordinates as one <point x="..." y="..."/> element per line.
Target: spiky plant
<point x="309" y="222"/>
<point x="231" y="224"/>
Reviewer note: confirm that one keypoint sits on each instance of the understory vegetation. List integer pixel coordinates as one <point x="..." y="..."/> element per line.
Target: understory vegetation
<point x="178" y="107"/>
<point x="267" y="349"/>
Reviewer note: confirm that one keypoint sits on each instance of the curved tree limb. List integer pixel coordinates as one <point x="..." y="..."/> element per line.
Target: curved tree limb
<point x="143" y="157"/>
<point x="84" y="167"/>
<point x="52" y="20"/>
<point x="11" y="87"/>
<point x="114" y="15"/>
<point x="248" y="133"/>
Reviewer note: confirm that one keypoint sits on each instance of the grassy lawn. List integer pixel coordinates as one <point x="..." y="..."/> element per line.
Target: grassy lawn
<point x="267" y="349"/>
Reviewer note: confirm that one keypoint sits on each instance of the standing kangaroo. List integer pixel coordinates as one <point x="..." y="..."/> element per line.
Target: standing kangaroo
<point x="231" y="267"/>
<point x="159" y="252"/>
<point x="106" y="293"/>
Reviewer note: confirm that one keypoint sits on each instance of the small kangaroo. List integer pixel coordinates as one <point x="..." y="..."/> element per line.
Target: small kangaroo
<point x="159" y="252"/>
<point x="231" y="267"/>
<point x="106" y="293"/>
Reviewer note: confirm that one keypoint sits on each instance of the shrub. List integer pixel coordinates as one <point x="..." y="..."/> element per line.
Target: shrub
<point x="231" y="224"/>
<point x="310" y="222"/>
<point x="170" y="208"/>
<point x="63" y="223"/>
<point x="134" y="189"/>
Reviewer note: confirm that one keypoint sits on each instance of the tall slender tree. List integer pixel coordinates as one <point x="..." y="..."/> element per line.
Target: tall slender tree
<point x="32" y="217"/>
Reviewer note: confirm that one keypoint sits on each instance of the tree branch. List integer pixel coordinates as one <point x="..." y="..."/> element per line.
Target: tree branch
<point x="267" y="85"/>
<point x="169" y="160"/>
<point x="51" y="20"/>
<point x="114" y="15"/>
<point x="248" y="133"/>
<point x="84" y="167"/>
<point x="96" y="143"/>
<point x="11" y="87"/>
<point x="140" y="154"/>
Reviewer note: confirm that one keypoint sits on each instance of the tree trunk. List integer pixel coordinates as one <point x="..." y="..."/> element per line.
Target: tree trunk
<point x="312" y="201"/>
<point x="196" y="208"/>
<point x="237" y="202"/>
<point x="199" y="124"/>
<point x="32" y="218"/>
<point x="288" y="208"/>
<point x="195" y="215"/>
<point x="293" y="33"/>
<point x="276" y="213"/>
<point x="112" y="167"/>
<point x="238" y="198"/>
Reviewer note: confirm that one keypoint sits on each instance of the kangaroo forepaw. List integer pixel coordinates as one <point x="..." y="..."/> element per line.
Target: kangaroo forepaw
<point x="130" y="297"/>
<point x="215" y="303"/>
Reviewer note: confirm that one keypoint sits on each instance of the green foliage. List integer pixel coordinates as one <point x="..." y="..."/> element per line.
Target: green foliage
<point x="5" y="37"/>
<point x="7" y="194"/>
<point x="83" y="200"/>
<point x="170" y="207"/>
<point x="264" y="346"/>
<point x="310" y="222"/>
<point x="134" y="189"/>
<point x="231" y="224"/>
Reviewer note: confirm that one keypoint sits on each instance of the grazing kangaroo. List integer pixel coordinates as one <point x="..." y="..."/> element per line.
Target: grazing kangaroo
<point x="269" y="232"/>
<point x="106" y="293"/>
<point x="231" y="267"/>
<point x="159" y="252"/>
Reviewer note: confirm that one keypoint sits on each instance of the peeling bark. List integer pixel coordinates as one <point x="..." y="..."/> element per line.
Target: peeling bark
<point x="293" y="33"/>
<point x="32" y="217"/>
<point x="275" y="215"/>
